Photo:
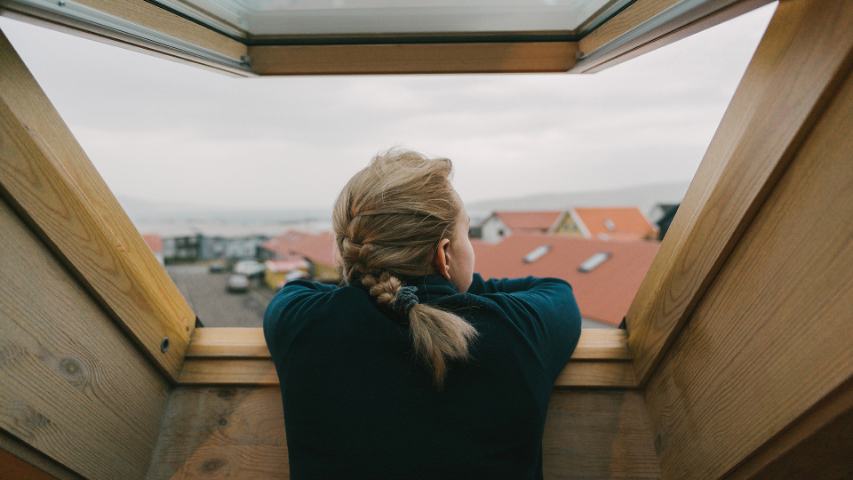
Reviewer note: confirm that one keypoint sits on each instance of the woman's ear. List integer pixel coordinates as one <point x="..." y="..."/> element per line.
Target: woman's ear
<point x="442" y="259"/>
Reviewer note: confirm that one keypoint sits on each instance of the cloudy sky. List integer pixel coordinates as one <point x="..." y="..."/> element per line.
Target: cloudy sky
<point x="166" y="132"/>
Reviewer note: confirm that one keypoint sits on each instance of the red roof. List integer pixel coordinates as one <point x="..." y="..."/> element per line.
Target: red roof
<point x="625" y="223"/>
<point x="603" y="294"/>
<point x="532" y="220"/>
<point x="318" y="247"/>
<point x="154" y="241"/>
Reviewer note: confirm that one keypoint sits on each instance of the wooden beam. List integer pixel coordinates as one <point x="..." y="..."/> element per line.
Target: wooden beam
<point x="475" y="57"/>
<point x="228" y="342"/>
<point x="239" y="356"/>
<point x="797" y="67"/>
<point x="47" y="177"/>
<point x="228" y="371"/>
<point x="73" y="387"/>
<point x="590" y="434"/>
<point x="647" y="25"/>
<point x="155" y="30"/>
<point x="770" y="344"/>
<point x="258" y="371"/>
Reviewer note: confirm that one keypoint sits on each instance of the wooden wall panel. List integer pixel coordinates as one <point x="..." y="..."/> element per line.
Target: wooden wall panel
<point x="772" y="336"/>
<point x="598" y="434"/>
<point x="71" y="384"/>
<point x="818" y="445"/>
<point x="228" y="432"/>
<point x="802" y="58"/>
<point x="46" y="175"/>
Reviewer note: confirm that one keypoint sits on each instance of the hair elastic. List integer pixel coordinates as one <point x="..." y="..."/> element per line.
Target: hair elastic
<point x="406" y="299"/>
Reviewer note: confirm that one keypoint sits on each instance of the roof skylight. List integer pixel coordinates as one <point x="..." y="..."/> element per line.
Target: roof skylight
<point x="593" y="262"/>
<point x="537" y="253"/>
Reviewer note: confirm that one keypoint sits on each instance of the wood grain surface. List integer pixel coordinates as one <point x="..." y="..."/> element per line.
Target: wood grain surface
<point x="771" y="339"/>
<point x="227" y="432"/>
<point x="796" y="69"/>
<point x="234" y="342"/>
<point x="72" y="385"/>
<point x="475" y="57"/>
<point x="47" y="177"/>
<point x="239" y="356"/>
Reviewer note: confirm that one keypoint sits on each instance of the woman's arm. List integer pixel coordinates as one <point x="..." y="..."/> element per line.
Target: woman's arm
<point x="480" y="286"/>
<point x="544" y="311"/>
<point x="284" y="317"/>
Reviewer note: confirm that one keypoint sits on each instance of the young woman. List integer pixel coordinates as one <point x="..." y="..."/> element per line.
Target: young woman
<point x="416" y="367"/>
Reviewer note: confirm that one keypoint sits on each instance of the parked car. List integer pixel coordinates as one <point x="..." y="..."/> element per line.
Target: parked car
<point x="237" y="283"/>
<point x="249" y="268"/>
<point x="217" y="266"/>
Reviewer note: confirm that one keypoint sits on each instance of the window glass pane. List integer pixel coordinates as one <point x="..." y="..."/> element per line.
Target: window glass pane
<point x="293" y="17"/>
<point x="233" y="180"/>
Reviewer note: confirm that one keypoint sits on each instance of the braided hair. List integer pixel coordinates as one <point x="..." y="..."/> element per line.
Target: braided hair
<point x="388" y="221"/>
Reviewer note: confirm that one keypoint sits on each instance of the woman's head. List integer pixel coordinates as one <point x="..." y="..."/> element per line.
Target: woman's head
<point x="401" y="216"/>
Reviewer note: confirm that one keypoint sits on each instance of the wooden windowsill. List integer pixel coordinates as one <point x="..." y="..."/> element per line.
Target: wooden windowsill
<point x="239" y="356"/>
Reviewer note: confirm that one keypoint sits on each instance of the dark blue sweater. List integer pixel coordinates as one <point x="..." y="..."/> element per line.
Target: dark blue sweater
<point x="359" y="405"/>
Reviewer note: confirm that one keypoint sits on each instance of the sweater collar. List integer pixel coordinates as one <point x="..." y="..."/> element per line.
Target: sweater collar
<point x="429" y="286"/>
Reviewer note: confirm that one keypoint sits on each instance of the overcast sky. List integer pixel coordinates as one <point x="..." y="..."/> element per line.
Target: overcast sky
<point x="162" y="131"/>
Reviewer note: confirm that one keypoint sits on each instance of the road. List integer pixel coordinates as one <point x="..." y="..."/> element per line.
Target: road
<point x="205" y="292"/>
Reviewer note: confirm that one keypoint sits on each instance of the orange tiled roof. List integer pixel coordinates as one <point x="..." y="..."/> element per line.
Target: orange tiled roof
<point x="604" y="294"/>
<point x="154" y="241"/>
<point x="317" y="247"/>
<point x="530" y="220"/>
<point x="627" y="223"/>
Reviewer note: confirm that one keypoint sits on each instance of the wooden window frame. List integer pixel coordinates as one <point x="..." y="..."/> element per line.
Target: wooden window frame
<point x="56" y="187"/>
<point x="642" y="26"/>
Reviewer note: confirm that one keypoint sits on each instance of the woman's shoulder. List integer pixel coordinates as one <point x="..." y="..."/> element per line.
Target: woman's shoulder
<point x="298" y="301"/>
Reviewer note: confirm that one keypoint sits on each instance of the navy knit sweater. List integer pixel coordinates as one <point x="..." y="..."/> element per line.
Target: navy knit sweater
<point x="359" y="405"/>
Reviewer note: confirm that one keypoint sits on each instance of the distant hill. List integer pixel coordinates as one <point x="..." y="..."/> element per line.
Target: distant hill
<point x="642" y="196"/>
<point x="167" y="217"/>
<point x="147" y="211"/>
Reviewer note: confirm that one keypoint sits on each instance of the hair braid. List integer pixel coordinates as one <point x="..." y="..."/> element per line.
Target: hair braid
<point x="387" y="219"/>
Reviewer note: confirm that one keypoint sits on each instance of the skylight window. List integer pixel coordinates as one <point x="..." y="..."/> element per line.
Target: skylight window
<point x="593" y="262"/>
<point x="266" y="18"/>
<point x="609" y="225"/>
<point x="537" y="253"/>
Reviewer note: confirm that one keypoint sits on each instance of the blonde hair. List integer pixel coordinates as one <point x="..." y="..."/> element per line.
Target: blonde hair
<point x="388" y="221"/>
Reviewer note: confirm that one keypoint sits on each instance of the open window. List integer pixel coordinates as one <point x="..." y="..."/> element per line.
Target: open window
<point x="231" y="182"/>
<point x="689" y="304"/>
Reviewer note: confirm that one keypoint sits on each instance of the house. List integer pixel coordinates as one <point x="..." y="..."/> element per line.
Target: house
<point x="501" y="224"/>
<point x="613" y="223"/>
<point x="182" y="248"/>
<point x="604" y="275"/>
<point x="277" y="272"/>
<point x="155" y="243"/>
<point x="604" y="223"/>
<point x="662" y="215"/>
<point x="207" y="242"/>
<point x="318" y="249"/>
<point x="475" y="230"/>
